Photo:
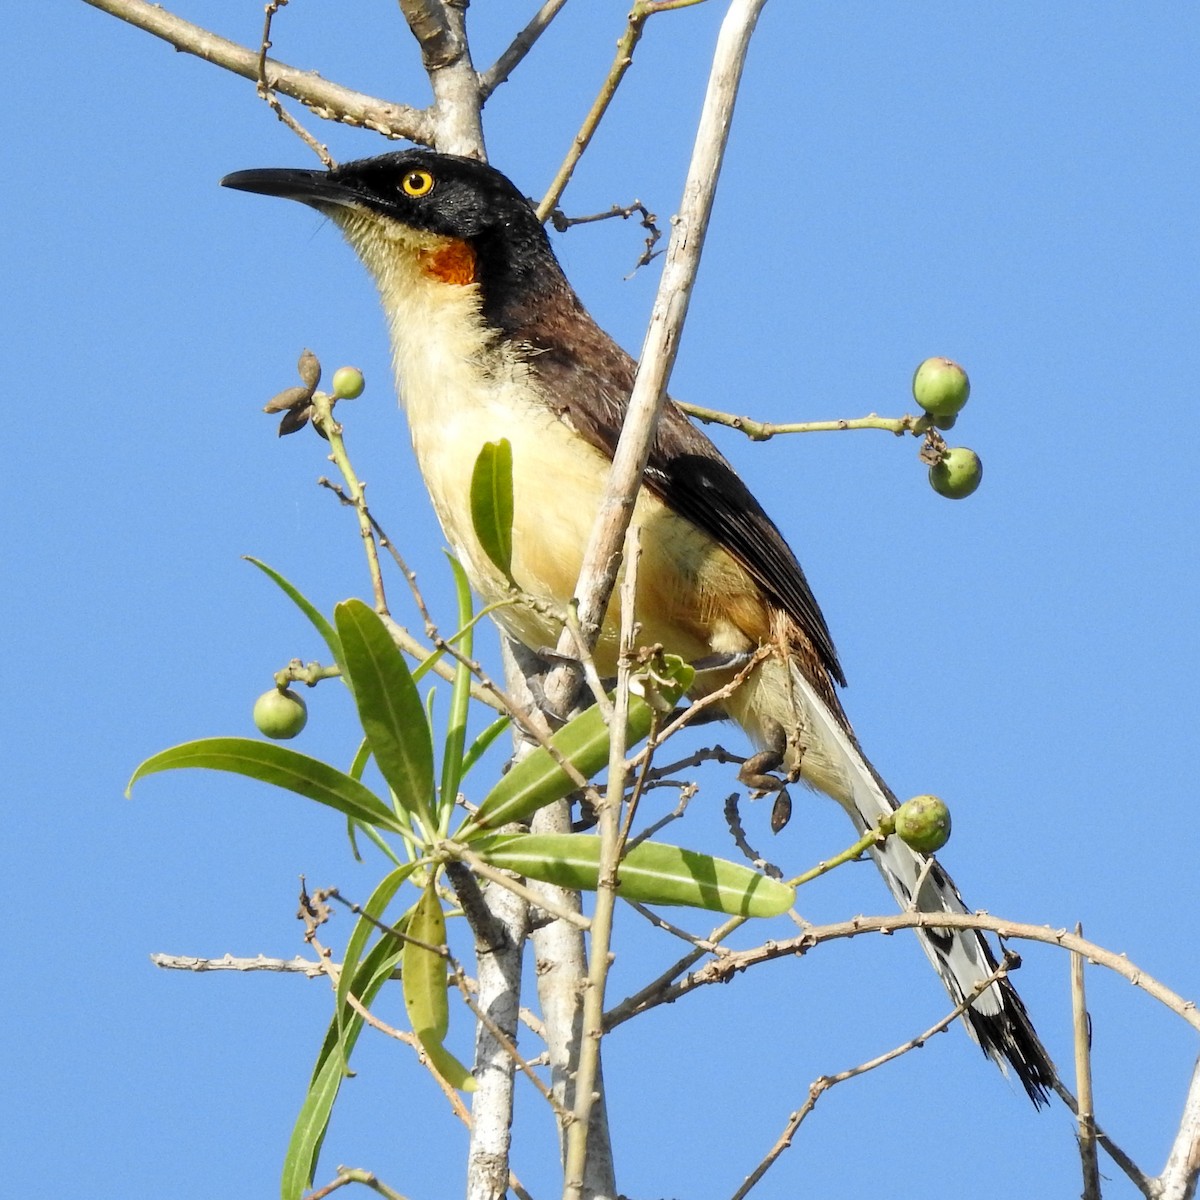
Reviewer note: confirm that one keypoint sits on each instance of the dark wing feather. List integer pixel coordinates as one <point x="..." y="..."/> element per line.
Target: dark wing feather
<point x="589" y="385"/>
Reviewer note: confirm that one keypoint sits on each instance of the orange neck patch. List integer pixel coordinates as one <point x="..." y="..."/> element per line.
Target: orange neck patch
<point x="452" y="263"/>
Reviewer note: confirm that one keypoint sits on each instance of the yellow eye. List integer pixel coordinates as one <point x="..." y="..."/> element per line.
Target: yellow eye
<point x="417" y="183"/>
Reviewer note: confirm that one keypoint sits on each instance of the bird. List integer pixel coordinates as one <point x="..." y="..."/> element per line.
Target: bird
<point x="491" y="341"/>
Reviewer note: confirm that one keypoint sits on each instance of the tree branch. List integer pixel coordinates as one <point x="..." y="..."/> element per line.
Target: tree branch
<point x="504" y="66"/>
<point x="731" y="962"/>
<point x="1178" y="1180"/>
<point x="440" y="29"/>
<point x="825" y="1082"/>
<point x="325" y="99"/>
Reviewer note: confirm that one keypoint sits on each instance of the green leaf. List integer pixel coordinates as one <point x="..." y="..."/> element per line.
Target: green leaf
<point x="481" y="744"/>
<point x="460" y="702"/>
<point x="538" y="779"/>
<point x="277" y="765"/>
<point x="389" y="707"/>
<point x="455" y="1073"/>
<point x="424" y="978"/>
<point x="652" y="873"/>
<point x="320" y="624"/>
<point x="492" y="502"/>
<point x="304" y="1146"/>
<point x="425" y="972"/>
<point x="365" y="926"/>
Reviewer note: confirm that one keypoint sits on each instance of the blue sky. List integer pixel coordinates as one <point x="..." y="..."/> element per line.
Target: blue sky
<point x="1015" y="188"/>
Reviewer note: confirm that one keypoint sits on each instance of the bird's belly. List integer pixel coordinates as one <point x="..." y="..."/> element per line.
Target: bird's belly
<point x="687" y="587"/>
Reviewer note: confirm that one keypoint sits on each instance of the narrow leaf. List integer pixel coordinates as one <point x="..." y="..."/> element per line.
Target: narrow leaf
<point x="424" y="971"/>
<point x="424" y="978"/>
<point x="315" y="616"/>
<point x="279" y="766"/>
<point x="304" y="1146"/>
<point x="455" y="1073"/>
<point x="366" y="925"/>
<point x="652" y="873"/>
<point x="538" y="780"/>
<point x="480" y="745"/>
<point x="389" y="706"/>
<point x="492" y="502"/>
<point x="460" y="702"/>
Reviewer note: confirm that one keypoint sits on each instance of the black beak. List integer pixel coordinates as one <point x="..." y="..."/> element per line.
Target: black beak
<point x="318" y="188"/>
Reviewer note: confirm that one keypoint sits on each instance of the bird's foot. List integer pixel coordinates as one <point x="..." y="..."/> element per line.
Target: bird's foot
<point x="759" y="773"/>
<point x="723" y="662"/>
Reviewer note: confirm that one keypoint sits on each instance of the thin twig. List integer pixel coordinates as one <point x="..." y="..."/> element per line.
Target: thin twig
<point x="856" y="926"/>
<point x="324" y="420"/>
<point x="504" y="66"/>
<point x="267" y="93"/>
<point x="536" y="898"/>
<point x="762" y="431"/>
<point x="186" y="962"/>
<point x="820" y="1086"/>
<point x="1085" y="1112"/>
<point x="1178" y="1179"/>
<point x="348" y="1175"/>
<point x="612" y="841"/>
<point x="635" y="25"/>
<point x="508" y="1045"/>
<point x="1145" y="1184"/>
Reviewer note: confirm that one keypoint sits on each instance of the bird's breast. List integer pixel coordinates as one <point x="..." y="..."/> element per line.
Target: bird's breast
<point x="463" y="386"/>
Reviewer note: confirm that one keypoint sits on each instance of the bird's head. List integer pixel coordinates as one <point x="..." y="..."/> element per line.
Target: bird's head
<point x="455" y="219"/>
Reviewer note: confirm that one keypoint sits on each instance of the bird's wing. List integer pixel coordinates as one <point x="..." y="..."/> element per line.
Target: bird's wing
<point x="590" y="388"/>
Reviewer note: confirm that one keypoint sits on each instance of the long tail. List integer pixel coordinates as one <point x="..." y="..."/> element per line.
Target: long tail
<point x="832" y="762"/>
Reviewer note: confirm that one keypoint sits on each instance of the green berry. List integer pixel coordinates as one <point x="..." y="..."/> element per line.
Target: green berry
<point x="348" y="383"/>
<point x="941" y="387"/>
<point x="280" y="714"/>
<point x="957" y="475"/>
<point x="923" y="823"/>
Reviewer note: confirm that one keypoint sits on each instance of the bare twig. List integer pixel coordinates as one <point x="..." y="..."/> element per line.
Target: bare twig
<point x="347" y="1175"/>
<point x="1145" y="1184"/>
<point x="733" y="820"/>
<point x="762" y="431"/>
<point x="856" y="926"/>
<point x="587" y="1072"/>
<point x="562" y="223"/>
<point x="504" y="66"/>
<point x="825" y="1082"/>
<point x="325" y="99"/>
<point x="1178" y="1179"/>
<point x="1083" y="1078"/>
<point x="641" y="12"/>
<point x="267" y="93"/>
<point x="327" y="423"/>
<point x="186" y="962"/>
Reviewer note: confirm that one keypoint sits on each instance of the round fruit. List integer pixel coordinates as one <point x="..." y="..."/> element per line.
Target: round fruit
<point x="348" y="383"/>
<point x="923" y="823"/>
<point x="280" y="714"/>
<point x="957" y="475"/>
<point x="941" y="387"/>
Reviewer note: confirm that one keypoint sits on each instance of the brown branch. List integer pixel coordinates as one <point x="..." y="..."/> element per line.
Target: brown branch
<point x="325" y="99"/>
<point x="821" y="1085"/>
<point x="504" y="66"/>
<point x="1085" y="1111"/>
<point x="440" y="29"/>
<point x="348" y="1175"/>
<point x="187" y="962"/>
<point x="266" y="92"/>
<point x="1178" y="1180"/>
<point x="734" y="962"/>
